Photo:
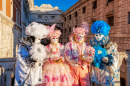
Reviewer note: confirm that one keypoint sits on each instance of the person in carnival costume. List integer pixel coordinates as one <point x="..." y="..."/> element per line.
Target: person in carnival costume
<point x="79" y="55"/>
<point x="30" y="56"/>
<point x="104" y="66"/>
<point x="55" y="71"/>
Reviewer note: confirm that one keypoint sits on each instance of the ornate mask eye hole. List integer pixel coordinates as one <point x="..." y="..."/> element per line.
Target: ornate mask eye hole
<point x="100" y="34"/>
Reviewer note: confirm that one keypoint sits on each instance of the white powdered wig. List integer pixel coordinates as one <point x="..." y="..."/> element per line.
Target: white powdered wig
<point x="38" y="52"/>
<point x="37" y="30"/>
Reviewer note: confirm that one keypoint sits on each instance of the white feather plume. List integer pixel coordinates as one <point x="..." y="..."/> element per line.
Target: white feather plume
<point x="38" y="52"/>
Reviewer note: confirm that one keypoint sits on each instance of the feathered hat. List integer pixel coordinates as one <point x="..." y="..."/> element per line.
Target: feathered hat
<point x="84" y="29"/>
<point x="100" y="27"/>
<point x="79" y="30"/>
<point x="54" y="33"/>
<point x="37" y="30"/>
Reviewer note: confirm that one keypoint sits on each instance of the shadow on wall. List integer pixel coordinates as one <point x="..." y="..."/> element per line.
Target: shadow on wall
<point x="124" y="68"/>
<point x="123" y="73"/>
<point x="17" y="34"/>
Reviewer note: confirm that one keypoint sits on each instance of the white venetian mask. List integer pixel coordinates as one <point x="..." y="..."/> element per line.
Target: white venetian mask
<point x="99" y="36"/>
<point x="54" y="40"/>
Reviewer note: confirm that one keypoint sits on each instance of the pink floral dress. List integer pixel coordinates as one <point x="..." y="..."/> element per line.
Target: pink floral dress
<point x="55" y="71"/>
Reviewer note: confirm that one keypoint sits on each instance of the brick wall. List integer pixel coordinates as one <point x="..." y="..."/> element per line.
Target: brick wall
<point x="1" y="5"/>
<point x="120" y="31"/>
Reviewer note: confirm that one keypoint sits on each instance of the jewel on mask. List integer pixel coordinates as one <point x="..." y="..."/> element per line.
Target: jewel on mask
<point x="98" y="30"/>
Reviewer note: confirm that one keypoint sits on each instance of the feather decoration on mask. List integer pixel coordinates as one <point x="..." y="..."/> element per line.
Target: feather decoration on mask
<point x="85" y="25"/>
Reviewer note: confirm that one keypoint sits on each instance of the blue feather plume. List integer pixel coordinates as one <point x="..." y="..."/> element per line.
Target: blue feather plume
<point x="100" y="27"/>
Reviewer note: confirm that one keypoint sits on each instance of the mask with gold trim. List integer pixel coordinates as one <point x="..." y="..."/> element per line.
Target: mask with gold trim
<point x="79" y="38"/>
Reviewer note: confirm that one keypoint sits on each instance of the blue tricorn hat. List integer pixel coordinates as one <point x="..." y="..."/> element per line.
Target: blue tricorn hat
<point x="100" y="27"/>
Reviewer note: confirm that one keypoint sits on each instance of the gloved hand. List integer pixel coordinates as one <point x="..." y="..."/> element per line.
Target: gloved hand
<point x="105" y="59"/>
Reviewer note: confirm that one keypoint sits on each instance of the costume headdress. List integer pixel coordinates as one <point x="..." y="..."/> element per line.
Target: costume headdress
<point x="100" y="27"/>
<point x="79" y="30"/>
<point x="54" y="33"/>
<point x="84" y="29"/>
<point x="37" y="30"/>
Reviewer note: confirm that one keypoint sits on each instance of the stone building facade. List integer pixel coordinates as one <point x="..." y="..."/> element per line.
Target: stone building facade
<point x="115" y="12"/>
<point x="10" y="29"/>
<point x="45" y="14"/>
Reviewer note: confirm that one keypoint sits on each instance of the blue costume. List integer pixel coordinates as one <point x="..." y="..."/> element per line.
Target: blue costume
<point x="103" y="61"/>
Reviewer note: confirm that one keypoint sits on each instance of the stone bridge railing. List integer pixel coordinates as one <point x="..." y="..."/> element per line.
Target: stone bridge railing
<point x="7" y="70"/>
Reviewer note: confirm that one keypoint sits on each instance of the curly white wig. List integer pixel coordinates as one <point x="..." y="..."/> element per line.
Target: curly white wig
<point x="37" y="30"/>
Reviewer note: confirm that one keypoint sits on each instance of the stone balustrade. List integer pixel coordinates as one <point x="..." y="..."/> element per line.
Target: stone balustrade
<point x="7" y="69"/>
